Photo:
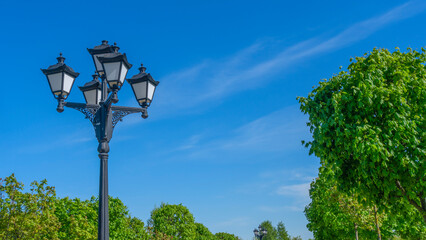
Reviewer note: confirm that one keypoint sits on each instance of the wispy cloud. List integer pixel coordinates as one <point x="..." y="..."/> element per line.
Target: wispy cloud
<point x="212" y="80"/>
<point x="279" y="131"/>
<point x="41" y="146"/>
<point x="191" y="142"/>
<point x="293" y="174"/>
<point x="295" y="190"/>
<point x="274" y="209"/>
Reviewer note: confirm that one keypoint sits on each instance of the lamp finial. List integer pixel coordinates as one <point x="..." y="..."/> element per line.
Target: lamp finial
<point x="142" y="68"/>
<point x="60" y="58"/>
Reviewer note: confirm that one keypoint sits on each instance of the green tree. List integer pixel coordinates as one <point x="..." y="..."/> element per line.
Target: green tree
<point x="137" y="229"/>
<point x="122" y="225"/>
<point x="39" y="214"/>
<point x="272" y="231"/>
<point x="275" y="233"/>
<point x="27" y="215"/>
<point x="226" y="236"/>
<point x="203" y="233"/>
<point x="78" y="218"/>
<point x="368" y="126"/>
<point x="282" y="233"/>
<point x="335" y="215"/>
<point x="173" y="220"/>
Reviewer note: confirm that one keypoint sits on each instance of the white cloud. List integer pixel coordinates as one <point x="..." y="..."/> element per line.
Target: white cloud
<point x="296" y="190"/>
<point x="212" y="80"/>
<point x="293" y="174"/>
<point x="191" y="142"/>
<point x="274" y="209"/>
<point x="279" y="131"/>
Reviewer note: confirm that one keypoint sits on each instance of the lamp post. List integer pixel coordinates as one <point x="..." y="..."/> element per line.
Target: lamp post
<point x="100" y="95"/>
<point x="259" y="234"/>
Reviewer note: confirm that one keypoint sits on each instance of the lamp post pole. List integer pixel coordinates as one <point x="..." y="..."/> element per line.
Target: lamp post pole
<point x="103" y="131"/>
<point x="112" y="68"/>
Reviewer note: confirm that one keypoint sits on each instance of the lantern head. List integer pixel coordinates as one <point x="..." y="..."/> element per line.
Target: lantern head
<point x="143" y="86"/>
<point x="92" y="91"/>
<point x="61" y="78"/>
<point x="99" y="51"/>
<point x="115" y="67"/>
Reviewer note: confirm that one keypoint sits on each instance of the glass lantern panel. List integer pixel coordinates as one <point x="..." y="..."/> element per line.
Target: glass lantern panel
<point x="140" y="90"/>
<point x="98" y="64"/>
<point x="99" y="96"/>
<point x="90" y="96"/>
<point x="123" y="73"/>
<point x="68" y="81"/>
<point x="151" y="89"/>
<point x="111" y="70"/>
<point x="55" y="81"/>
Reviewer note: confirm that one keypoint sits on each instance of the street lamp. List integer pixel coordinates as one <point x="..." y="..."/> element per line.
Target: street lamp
<point x="92" y="91"/>
<point x="61" y="79"/>
<point x="115" y="66"/>
<point x="111" y="67"/>
<point x="143" y="86"/>
<point x="100" y="51"/>
<point x="259" y="234"/>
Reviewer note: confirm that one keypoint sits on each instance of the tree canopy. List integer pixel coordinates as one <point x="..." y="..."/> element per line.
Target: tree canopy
<point x="29" y="215"/>
<point x="276" y="233"/>
<point x="368" y="128"/>
<point x="203" y="233"/>
<point x="173" y="220"/>
<point x="226" y="236"/>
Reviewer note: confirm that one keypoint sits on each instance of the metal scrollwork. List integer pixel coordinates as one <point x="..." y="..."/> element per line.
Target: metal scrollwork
<point x="118" y="116"/>
<point x="118" y="112"/>
<point x="89" y="111"/>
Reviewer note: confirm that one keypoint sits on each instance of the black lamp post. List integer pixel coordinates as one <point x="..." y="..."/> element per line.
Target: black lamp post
<point x="259" y="234"/>
<point x="111" y="68"/>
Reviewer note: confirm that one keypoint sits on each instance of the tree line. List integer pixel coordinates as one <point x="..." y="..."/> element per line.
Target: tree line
<point x="40" y="214"/>
<point x="368" y="130"/>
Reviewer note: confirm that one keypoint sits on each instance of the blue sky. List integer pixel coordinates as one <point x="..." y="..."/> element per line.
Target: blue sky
<point x="224" y="132"/>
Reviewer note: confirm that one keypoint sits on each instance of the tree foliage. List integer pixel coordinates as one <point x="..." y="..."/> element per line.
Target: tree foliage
<point x="282" y="233"/>
<point x="272" y="231"/>
<point x="173" y="220"/>
<point x="276" y="233"/>
<point x="40" y="214"/>
<point x="226" y="236"/>
<point x="333" y="214"/>
<point x="27" y="215"/>
<point x="78" y="218"/>
<point x="203" y="233"/>
<point x="368" y="126"/>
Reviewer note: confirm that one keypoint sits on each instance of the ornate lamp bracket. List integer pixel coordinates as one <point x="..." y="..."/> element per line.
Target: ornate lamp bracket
<point x="88" y="110"/>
